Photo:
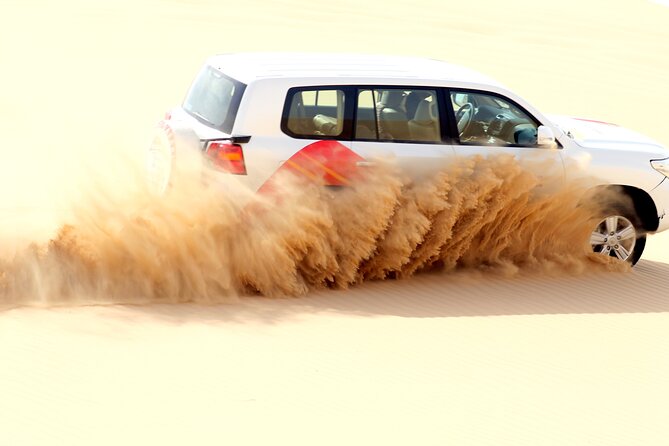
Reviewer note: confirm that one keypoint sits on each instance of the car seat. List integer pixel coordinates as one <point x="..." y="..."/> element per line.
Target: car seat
<point x="412" y="101"/>
<point x="425" y="125"/>
<point x="392" y="117"/>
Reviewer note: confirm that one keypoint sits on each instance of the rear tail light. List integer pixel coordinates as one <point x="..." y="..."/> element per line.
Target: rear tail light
<point x="227" y="157"/>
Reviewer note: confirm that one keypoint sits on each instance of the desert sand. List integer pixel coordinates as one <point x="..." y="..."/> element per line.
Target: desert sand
<point x="460" y="358"/>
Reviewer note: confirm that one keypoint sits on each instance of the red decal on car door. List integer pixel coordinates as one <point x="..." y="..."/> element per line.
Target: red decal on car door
<point x="327" y="163"/>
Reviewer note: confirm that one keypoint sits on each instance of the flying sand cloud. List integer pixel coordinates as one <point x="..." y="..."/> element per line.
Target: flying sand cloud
<point x="199" y="244"/>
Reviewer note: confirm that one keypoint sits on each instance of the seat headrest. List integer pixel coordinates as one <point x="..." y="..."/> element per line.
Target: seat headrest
<point x="392" y="99"/>
<point x="426" y="113"/>
<point x="413" y="99"/>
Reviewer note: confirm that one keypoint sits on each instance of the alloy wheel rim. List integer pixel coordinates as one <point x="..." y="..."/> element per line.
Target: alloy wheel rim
<point x="614" y="236"/>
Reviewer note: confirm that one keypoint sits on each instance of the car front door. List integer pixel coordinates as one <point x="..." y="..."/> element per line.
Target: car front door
<point x="487" y="124"/>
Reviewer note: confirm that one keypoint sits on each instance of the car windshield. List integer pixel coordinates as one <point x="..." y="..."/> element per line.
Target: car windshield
<point x="214" y="99"/>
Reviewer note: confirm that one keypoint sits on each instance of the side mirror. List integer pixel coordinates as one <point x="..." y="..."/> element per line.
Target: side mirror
<point x="545" y="137"/>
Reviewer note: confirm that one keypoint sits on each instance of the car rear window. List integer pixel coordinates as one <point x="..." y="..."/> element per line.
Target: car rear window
<point x="316" y="113"/>
<point x="214" y="99"/>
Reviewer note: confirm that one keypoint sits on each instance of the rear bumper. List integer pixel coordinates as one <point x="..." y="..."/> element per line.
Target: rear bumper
<point x="660" y="196"/>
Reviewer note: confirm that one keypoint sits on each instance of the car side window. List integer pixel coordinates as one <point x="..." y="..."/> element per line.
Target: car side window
<point x="397" y="114"/>
<point x="315" y="113"/>
<point x="491" y="120"/>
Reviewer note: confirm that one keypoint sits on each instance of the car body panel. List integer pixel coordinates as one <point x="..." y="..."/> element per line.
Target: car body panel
<point x="585" y="148"/>
<point x="609" y="153"/>
<point x="589" y="133"/>
<point x="660" y="196"/>
<point x="251" y="67"/>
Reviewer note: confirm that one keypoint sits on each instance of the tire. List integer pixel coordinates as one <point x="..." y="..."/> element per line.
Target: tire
<point x="619" y="234"/>
<point x="173" y="160"/>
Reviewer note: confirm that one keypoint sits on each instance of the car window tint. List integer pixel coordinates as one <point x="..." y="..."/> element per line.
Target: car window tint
<point x="397" y="114"/>
<point x="486" y="119"/>
<point x="316" y="113"/>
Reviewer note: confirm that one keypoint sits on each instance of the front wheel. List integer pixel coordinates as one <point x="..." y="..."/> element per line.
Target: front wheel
<point x="618" y="236"/>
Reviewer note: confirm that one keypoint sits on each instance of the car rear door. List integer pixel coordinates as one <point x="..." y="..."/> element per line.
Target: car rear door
<point x="403" y="125"/>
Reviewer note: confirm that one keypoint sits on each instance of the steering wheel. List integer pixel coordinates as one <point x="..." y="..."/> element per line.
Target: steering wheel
<point x="464" y="117"/>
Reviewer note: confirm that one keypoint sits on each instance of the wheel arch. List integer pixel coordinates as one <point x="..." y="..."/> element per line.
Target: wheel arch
<point x="644" y="206"/>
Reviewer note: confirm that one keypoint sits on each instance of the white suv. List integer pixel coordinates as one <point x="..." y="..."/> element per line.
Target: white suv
<point x="321" y="115"/>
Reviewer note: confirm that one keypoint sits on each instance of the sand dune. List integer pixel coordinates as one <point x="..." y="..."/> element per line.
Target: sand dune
<point x="458" y="358"/>
<point x="433" y="359"/>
